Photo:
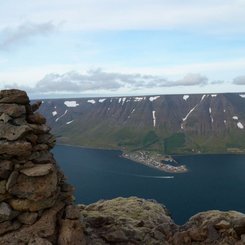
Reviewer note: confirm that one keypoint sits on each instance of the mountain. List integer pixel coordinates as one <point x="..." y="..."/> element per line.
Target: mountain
<point x="168" y="123"/>
<point x="36" y="203"/>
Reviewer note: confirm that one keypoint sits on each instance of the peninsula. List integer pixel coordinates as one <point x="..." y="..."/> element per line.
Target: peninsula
<point x="156" y="160"/>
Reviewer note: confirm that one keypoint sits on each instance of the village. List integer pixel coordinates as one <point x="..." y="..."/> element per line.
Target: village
<point x="155" y="160"/>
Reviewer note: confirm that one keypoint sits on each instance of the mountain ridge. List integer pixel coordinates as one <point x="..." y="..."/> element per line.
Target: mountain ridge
<point x="186" y="123"/>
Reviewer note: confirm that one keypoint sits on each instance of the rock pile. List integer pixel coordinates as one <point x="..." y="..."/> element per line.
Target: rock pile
<point x="35" y="201"/>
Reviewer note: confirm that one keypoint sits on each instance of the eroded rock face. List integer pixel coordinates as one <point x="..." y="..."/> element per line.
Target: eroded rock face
<point x="33" y="194"/>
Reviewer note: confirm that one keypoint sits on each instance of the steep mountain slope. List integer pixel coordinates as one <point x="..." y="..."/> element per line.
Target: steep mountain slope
<point x="169" y="123"/>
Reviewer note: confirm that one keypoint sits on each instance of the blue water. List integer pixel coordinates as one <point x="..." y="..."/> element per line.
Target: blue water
<point x="213" y="181"/>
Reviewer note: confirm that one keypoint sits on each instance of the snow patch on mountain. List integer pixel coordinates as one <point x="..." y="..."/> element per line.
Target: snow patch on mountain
<point x="185" y="97"/>
<point x="154" y="98"/>
<point x="154" y="118"/>
<point x="101" y="100"/>
<point x="91" y="101"/>
<point x="71" y="103"/>
<point x="54" y="113"/>
<point x="139" y="99"/>
<point x="57" y="119"/>
<point x="70" y="122"/>
<point x="240" y="125"/>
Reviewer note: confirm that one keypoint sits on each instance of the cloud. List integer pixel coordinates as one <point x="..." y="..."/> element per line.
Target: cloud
<point x="191" y="80"/>
<point x="202" y="16"/>
<point x="98" y="80"/>
<point x="10" y="37"/>
<point x="217" y="82"/>
<point x="239" y="80"/>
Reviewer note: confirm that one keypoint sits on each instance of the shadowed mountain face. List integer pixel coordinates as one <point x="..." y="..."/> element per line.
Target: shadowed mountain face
<point x="169" y="123"/>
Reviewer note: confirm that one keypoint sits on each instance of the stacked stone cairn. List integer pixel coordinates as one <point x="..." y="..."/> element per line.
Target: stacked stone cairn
<point x="35" y="201"/>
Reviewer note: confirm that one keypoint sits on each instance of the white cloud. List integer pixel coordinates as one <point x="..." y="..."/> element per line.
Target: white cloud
<point x="97" y="80"/>
<point x="239" y="80"/>
<point x="12" y="36"/>
<point x="202" y="16"/>
<point x="191" y="79"/>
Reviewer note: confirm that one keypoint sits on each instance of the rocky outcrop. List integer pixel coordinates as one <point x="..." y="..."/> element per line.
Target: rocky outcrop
<point x="127" y="221"/>
<point x="138" y="221"/>
<point x="35" y="202"/>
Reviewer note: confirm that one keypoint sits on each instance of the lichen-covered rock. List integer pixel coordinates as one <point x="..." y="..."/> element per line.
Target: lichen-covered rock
<point x="211" y="227"/>
<point x="127" y="221"/>
<point x="71" y="232"/>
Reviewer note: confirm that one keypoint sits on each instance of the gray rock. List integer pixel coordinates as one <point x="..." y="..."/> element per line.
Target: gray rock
<point x="2" y="187"/>
<point x="39" y="241"/>
<point x="38" y="170"/>
<point x="45" y="227"/>
<point x="6" y="212"/>
<point x="35" y="106"/>
<point x="39" y="129"/>
<point x="36" y="118"/>
<point x="72" y="212"/>
<point x="8" y="226"/>
<point x="35" y="188"/>
<point x="41" y="157"/>
<point x="239" y="225"/>
<point x="19" y="148"/>
<point x="5" y="118"/>
<point x="12" y="180"/>
<point x="13" y="110"/>
<point x="25" y="205"/>
<point x="71" y="232"/>
<point x="11" y="132"/>
<point x="5" y="168"/>
<point x="40" y="147"/>
<point x="14" y="96"/>
<point x="28" y="218"/>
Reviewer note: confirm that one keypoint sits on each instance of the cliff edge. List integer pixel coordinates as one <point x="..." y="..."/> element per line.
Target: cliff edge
<point x="36" y="205"/>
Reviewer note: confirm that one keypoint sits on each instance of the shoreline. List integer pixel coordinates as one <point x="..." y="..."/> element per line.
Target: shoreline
<point x="180" y="154"/>
<point x="156" y="161"/>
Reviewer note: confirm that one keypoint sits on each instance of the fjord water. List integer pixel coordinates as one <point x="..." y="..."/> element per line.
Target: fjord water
<point x="213" y="181"/>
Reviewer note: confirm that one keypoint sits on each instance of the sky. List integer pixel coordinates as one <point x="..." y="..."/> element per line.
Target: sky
<point x="77" y="48"/>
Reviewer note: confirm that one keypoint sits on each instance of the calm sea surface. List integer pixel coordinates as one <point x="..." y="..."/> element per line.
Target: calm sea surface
<point x="213" y="182"/>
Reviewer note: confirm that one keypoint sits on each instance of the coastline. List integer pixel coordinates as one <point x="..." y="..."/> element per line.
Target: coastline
<point x="156" y="161"/>
<point x="178" y="154"/>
